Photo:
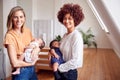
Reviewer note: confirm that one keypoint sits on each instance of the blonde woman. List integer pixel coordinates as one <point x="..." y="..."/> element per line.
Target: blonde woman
<point x="17" y="37"/>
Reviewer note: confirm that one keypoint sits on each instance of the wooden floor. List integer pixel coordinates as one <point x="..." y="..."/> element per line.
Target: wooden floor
<point x="102" y="64"/>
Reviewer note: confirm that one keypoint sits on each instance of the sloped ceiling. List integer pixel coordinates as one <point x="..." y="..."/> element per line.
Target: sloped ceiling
<point x="104" y="17"/>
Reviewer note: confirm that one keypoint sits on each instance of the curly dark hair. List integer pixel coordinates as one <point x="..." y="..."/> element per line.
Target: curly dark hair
<point x="74" y="10"/>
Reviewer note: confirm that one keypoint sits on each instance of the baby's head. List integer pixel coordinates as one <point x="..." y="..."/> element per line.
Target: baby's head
<point x="54" y="44"/>
<point x="41" y="43"/>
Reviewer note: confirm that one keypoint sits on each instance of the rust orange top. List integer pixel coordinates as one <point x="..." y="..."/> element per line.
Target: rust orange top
<point x="19" y="41"/>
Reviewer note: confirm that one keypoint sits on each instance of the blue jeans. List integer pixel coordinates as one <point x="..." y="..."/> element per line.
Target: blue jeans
<point x="26" y="73"/>
<point x="70" y="75"/>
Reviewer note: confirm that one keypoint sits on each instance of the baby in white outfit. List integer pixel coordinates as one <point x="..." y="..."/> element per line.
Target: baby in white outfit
<point x="28" y="50"/>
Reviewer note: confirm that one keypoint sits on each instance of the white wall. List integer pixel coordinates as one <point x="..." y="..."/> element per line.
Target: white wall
<point x="112" y="7"/>
<point x="113" y="22"/>
<point x="2" y="75"/>
<point x="1" y="22"/>
<point x="108" y="12"/>
<point x="27" y="6"/>
<point x="43" y="9"/>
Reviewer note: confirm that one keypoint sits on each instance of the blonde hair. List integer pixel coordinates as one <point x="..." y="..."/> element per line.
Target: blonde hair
<point x="11" y="15"/>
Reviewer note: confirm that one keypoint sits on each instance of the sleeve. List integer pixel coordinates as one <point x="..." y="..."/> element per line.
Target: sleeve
<point x="8" y="40"/>
<point x="76" y="60"/>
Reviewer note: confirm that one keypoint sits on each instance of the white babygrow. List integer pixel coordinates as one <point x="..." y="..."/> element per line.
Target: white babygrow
<point x="28" y="51"/>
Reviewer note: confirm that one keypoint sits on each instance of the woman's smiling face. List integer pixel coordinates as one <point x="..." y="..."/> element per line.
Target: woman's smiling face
<point x="68" y="21"/>
<point x="18" y="19"/>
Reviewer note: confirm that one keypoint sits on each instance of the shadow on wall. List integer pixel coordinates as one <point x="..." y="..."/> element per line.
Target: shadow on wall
<point x="2" y="70"/>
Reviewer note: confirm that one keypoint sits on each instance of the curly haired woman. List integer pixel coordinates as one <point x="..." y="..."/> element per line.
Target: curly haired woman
<point x="71" y="45"/>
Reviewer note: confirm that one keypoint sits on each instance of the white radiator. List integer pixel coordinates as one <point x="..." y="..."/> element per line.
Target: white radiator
<point x="43" y="29"/>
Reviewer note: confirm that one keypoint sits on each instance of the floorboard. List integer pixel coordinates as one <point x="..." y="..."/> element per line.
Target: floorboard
<point x="100" y="64"/>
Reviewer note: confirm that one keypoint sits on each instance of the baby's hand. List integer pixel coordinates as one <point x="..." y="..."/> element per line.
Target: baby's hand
<point x="57" y="56"/>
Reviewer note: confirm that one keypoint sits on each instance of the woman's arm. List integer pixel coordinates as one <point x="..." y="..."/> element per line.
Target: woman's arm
<point x="15" y="62"/>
